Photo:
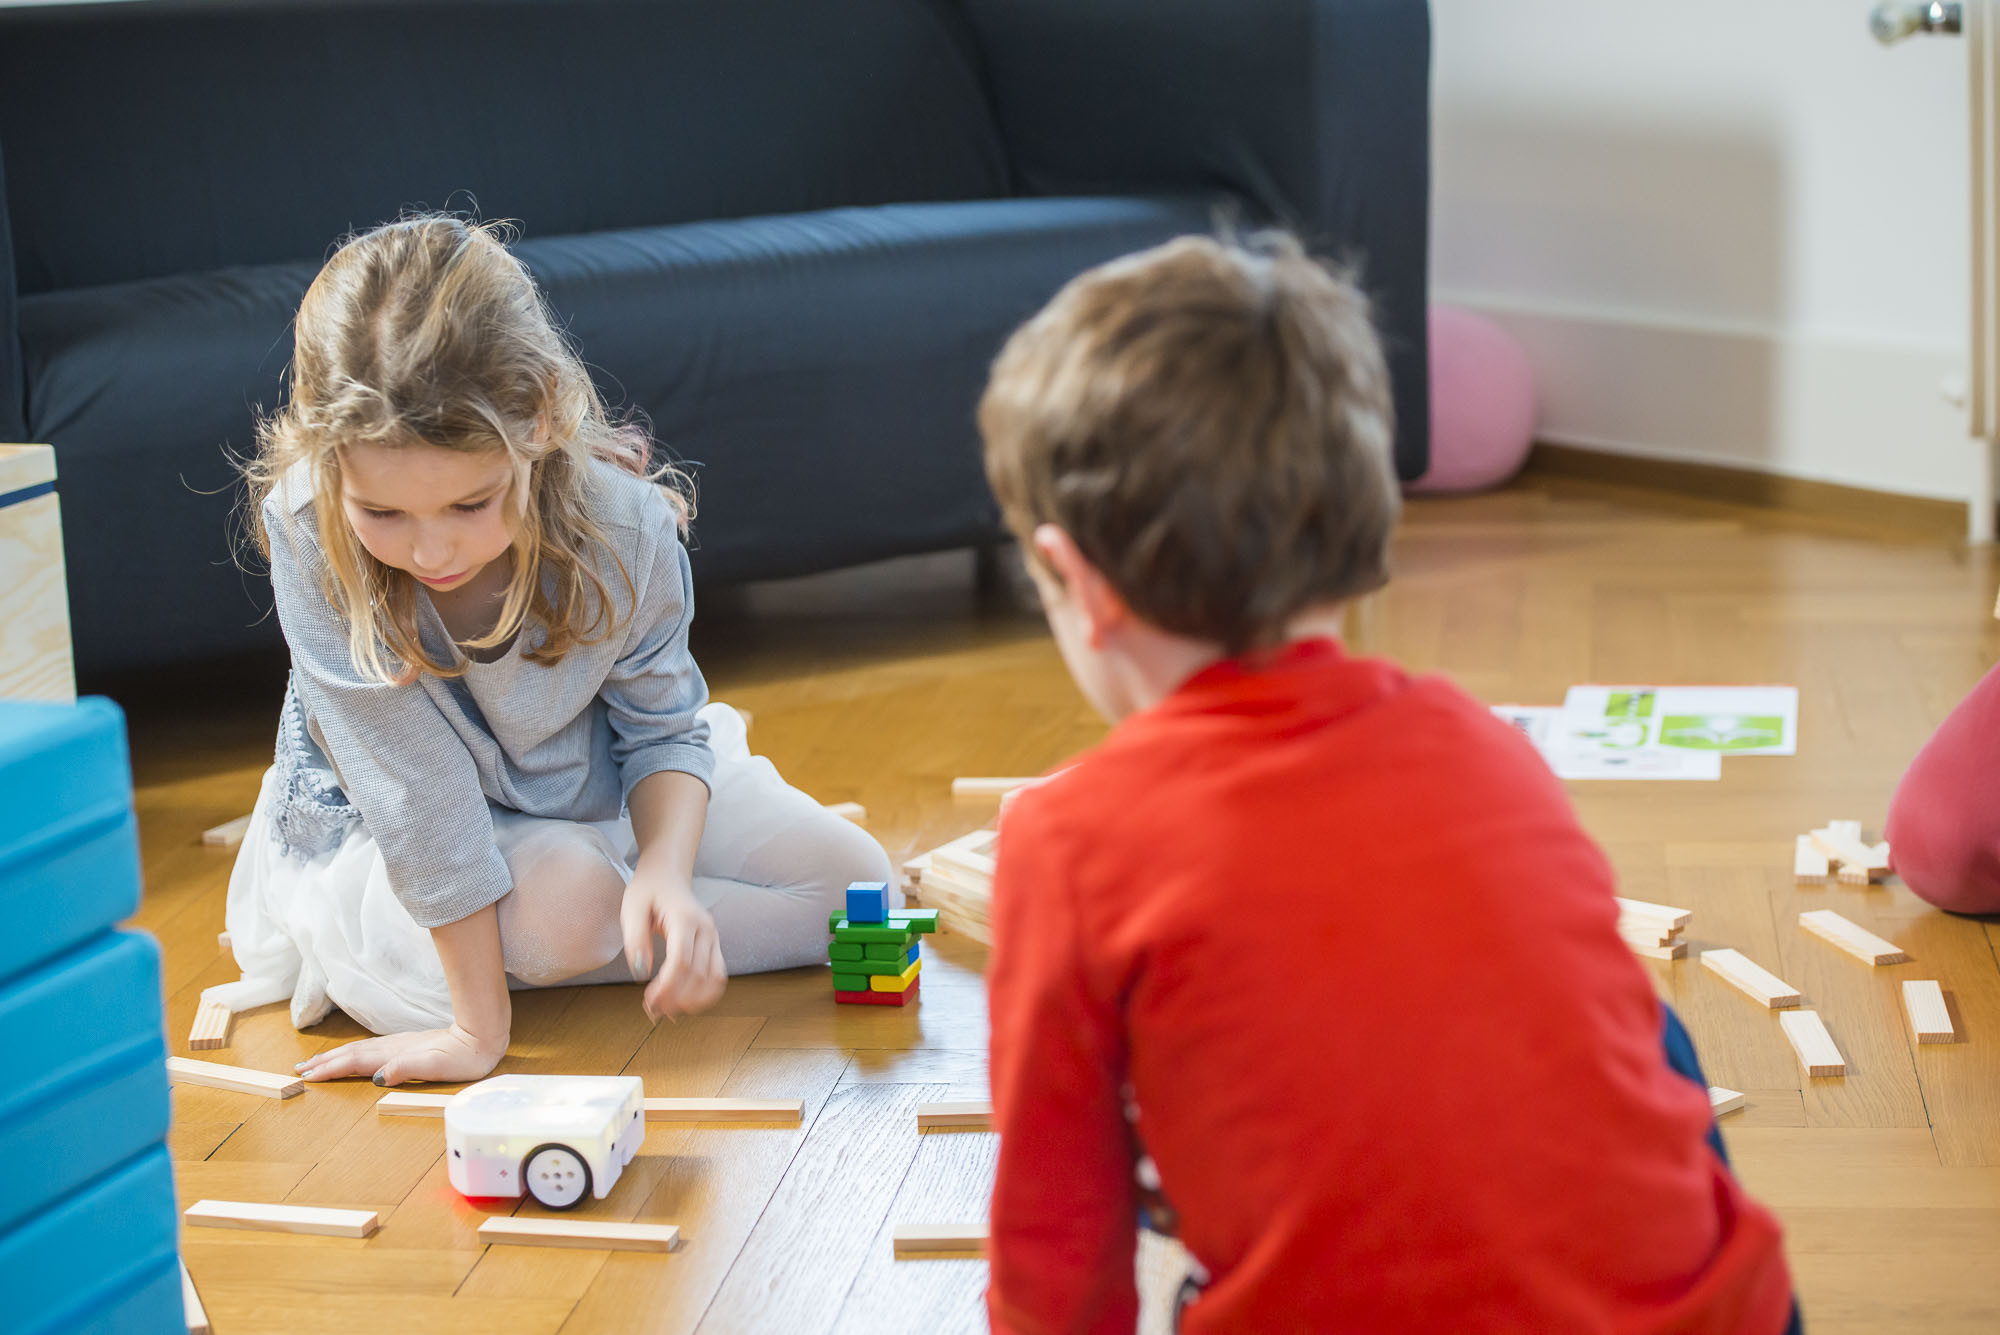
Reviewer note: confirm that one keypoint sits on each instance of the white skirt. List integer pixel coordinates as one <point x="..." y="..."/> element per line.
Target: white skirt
<point x="329" y="932"/>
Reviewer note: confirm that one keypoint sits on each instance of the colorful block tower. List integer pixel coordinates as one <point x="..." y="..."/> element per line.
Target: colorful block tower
<point x="874" y="949"/>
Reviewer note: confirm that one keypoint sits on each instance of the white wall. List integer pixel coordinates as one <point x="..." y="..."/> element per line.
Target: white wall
<point x="1731" y="231"/>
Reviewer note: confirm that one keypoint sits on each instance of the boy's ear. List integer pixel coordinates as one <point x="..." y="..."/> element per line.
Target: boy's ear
<point x="1083" y="584"/>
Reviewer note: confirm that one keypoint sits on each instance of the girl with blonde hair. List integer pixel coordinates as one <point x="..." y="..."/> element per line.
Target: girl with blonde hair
<point x="496" y="764"/>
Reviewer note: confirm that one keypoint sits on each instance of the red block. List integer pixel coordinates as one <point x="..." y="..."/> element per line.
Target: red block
<point x="872" y="998"/>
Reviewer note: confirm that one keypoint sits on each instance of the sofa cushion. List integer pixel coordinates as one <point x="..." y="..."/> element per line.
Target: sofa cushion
<point x="822" y="369"/>
<point x="175" y="136"/>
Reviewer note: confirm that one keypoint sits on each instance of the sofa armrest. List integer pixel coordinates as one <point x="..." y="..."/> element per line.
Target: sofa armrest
<point x="1315" y="111"/>
<point x="13" y="376"/>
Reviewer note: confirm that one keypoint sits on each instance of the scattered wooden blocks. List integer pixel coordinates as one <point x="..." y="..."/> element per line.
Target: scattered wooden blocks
<point x="958" y="878"/>
<point x="986" y="787"/>
<point x="968" y="1114"/>
<point x="283" y="1218"/>
<point x="929" y="1239"/>
<point x="1667" y="913"/>
<point x="211" y="1026"/>
<point x="1809" y="1039"/>
<point x="1722" y="1100"/>
<point x="596" y="1235"/>
<point x="228" y="834"/>
<point x="401" y="1103"/>
<point x="1809" y="863"/>
<point x="853" y="811"/>
<point x="1653" y="930"/>
<point x="1851" y="937"/>
<point x="1759" y="984"/>
<point x="725" y="1110"/>
<point x="1840" y="842"/>
<point x="214" y="1075"/>
<point x="197" y="1315"/>
<point x="1930" y="1018"/>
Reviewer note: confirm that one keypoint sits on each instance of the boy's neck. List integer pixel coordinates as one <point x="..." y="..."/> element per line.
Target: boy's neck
<point x="1150" y="664"/>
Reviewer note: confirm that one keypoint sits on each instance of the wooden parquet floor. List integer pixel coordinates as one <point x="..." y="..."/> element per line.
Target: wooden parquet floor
<point x="880" y="685"/>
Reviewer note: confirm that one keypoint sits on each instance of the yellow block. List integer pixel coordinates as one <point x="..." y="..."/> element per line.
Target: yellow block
<point x="896" y="982"/>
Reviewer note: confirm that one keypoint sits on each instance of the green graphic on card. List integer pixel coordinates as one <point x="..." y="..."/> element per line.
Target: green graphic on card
<point x="1722" y="732"/>
<point x="1629" y="704"/>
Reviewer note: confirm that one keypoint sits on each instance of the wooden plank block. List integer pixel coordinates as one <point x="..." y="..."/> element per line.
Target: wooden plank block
<point x="853" y="811"/>
<point x="1676" y="951"/>
<point x="24" y="466"/>
<point x="211" y="1026"/>
<point x="1850" y="852"/>
<point x="197" y="1315"/>
<point x="404" y="1103"/>
<point x="595" y="1234"/>
<point x="283" y="1218"/>
<point x="1808" y="1036"/>
<point x="1930" y="1018"/>
<point x="1851" y="937"/>
<point x="35" y="658"/>
<point x="1641" y="932"/>
<point x="226" y="835"/>
<point x="1639" y="908"/>
<point x="977" y="1113"/>
<point x="986" y="787"/>
<point x="1760" y="984"/>
<point x="243" y="1080"/>
<point x="926" y="1239"/>
<point x="725" y="1110"/>
<point x="1808" y="862"/>
<point x="1722" y="1100"/>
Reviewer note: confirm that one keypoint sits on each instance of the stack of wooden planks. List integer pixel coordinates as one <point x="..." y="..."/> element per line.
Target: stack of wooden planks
<point x="957" y="880"/>
<point x="1653" y="930"/>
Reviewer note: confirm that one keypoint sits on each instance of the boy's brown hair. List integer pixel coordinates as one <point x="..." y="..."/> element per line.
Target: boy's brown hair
<point x="1210" y="422"/>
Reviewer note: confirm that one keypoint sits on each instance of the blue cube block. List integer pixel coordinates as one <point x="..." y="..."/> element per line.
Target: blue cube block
<point x="101" y="1259"/>
<point x="912" y="957"/>
<point x="868" y="902"/>
<point x="69" y="847"/>
<point x="89" y="1077"/>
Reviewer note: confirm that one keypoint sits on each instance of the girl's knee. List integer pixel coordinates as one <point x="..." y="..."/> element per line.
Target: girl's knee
<point x="561" y="918"/>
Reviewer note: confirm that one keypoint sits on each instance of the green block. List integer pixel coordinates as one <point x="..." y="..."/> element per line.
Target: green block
<point x="914" y="920"/>
<point x="892" y="935"/>
<point x="850" y="982"/>
<point x="897" y="965"/>
<point x="846" y="950"/>
<point x="883" y="950"/>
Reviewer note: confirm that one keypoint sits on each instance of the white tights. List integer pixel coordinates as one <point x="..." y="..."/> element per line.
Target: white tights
<point x="771" y="866"/>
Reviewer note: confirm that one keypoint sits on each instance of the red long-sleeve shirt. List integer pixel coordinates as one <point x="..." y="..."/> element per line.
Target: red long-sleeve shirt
<point x="1337" y="935"/>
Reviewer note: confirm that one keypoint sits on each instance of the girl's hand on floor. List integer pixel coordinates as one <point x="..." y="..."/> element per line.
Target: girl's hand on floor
<point x="691" y="973"/>
<point x="442" y="1055"/>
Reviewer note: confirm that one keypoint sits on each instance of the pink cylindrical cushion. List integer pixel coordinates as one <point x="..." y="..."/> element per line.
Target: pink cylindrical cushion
<point x="1944" y="821"/>
<point x="1482" y="403"/>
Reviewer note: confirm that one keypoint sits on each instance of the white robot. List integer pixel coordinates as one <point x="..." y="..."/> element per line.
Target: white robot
<point x="557" y="1137"/>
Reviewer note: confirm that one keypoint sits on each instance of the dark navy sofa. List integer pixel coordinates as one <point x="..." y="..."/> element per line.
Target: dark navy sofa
<point x="791" y="232"/>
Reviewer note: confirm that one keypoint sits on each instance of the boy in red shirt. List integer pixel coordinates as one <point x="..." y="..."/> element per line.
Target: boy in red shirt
<point x="1309" y="958"/>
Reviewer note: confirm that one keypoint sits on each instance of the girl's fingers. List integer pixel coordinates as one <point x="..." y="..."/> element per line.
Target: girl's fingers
<point x="635" y="921"/>
<point x="359" y="1058"/>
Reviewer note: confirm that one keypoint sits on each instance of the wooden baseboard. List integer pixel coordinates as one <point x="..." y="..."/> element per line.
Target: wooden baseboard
<point x="1916" y="516"/>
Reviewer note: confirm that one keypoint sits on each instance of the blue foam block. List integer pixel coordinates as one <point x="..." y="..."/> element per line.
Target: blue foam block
<point x="101" y="1251"/>
<point x="868" y="902"/>
<point x="69" y="847"/>
<point x="90" y="1081"/>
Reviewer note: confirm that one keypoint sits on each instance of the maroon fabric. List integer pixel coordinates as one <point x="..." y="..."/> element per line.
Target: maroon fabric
<point x="1944" y="821"/>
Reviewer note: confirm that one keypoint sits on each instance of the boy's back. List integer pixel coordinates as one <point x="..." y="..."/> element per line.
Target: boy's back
<point x="1339" y="932"/>
<point x="1315" y="948"/>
